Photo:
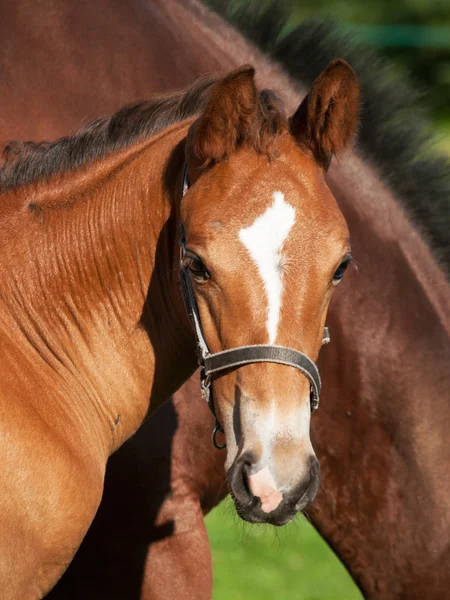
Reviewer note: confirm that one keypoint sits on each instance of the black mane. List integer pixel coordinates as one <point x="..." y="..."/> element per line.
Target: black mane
<point x="394" y="135"/>
<point x="28" y="162"/>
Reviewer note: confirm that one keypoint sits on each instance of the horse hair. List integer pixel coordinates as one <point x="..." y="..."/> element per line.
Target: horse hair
<point x="30" y="162"/>
<point x="394" y="134"/>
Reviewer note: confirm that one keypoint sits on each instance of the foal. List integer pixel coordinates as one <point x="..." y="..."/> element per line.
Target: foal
<point x="92" y="323"/>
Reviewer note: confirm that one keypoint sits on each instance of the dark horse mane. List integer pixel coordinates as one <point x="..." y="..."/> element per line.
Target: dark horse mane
<point x="393" y="136"/>
<point x="30" y="162"/>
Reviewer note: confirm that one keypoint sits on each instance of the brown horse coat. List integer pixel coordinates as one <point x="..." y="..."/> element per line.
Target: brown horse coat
<point x="377" y="460"/>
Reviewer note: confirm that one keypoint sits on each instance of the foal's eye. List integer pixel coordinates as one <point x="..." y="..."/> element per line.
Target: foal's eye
<point x="339" y="273"/>
<point x="196" y="267"/>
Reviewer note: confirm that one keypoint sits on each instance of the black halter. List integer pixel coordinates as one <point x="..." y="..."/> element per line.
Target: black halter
<point x="244" y="355"/>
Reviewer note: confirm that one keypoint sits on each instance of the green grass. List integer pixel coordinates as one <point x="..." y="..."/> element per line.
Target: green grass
<point x="255" y="562"/>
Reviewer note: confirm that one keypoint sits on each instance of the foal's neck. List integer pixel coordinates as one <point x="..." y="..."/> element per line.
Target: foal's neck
<point x="100" y="301"/>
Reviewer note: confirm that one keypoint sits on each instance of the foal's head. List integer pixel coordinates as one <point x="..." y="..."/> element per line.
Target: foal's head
<point x="266" y="247"/>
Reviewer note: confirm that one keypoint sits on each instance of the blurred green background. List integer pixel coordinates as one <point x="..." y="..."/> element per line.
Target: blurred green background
<point x="261" y="562"/>
<point x="413" y="34"/>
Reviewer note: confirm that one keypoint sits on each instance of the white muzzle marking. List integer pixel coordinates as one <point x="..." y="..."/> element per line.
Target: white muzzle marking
<point x="263" y="485"/>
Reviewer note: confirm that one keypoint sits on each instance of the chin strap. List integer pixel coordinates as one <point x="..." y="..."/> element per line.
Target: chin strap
<point x="243" y="355"/>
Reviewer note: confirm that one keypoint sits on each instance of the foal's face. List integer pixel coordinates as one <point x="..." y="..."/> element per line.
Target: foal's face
<point x="266" y="247"/>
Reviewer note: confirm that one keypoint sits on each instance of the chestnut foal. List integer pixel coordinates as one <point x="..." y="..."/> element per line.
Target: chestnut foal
<point x="92" y="322"/>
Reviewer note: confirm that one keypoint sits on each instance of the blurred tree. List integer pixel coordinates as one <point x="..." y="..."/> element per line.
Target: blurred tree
<point x="413" y="34"/>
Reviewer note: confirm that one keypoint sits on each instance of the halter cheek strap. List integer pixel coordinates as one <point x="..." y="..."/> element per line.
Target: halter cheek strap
<point x="243" y="355"/>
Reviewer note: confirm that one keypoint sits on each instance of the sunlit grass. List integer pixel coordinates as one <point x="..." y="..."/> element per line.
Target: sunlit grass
<point x="262" y="563"/>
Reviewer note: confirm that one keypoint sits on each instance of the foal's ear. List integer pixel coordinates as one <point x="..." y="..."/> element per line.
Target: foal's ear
<point x="327" y="118"/>
<point x="226" y="121"/>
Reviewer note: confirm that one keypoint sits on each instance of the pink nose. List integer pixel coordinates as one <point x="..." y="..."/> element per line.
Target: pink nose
<point x="262" y="485"/>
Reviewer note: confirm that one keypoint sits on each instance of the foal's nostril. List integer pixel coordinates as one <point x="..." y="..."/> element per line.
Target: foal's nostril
<point x="238" y="480"/>
<point x="309" y="488"/>
<point x="245" y="481"/>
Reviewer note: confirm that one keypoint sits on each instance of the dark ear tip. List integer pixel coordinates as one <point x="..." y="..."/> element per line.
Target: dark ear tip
<point x="338" y="66"/>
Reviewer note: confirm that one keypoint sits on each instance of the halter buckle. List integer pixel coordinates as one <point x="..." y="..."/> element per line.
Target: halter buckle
<point x="205" y="386"/>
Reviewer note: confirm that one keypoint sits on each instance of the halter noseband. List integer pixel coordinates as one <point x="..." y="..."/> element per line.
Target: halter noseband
<point x="243" y="355"/>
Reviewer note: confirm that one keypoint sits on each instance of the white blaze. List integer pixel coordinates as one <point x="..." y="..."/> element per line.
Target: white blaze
<point x="264" y="240"/>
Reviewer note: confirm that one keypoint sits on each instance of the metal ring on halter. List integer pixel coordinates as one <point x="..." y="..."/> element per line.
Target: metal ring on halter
<point x="218" y="427"/>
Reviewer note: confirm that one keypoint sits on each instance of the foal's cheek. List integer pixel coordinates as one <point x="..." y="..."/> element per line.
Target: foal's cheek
<point x="206" y="298"/>
<point x="226" y="404"/>
<point x="231" y="433"/>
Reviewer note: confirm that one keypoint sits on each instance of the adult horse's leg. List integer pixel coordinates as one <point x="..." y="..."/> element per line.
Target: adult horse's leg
<point x="180" y="565"/>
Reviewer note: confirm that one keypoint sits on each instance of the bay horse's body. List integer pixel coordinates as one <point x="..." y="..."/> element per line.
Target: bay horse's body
<point x="351" y="430"/>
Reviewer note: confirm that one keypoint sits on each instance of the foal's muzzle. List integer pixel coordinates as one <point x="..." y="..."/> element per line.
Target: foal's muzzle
<point x="249" y="506"/>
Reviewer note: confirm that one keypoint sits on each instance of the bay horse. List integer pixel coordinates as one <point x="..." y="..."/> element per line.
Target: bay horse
<point x="378" y="474"/>
<point x="94" y="334"/>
